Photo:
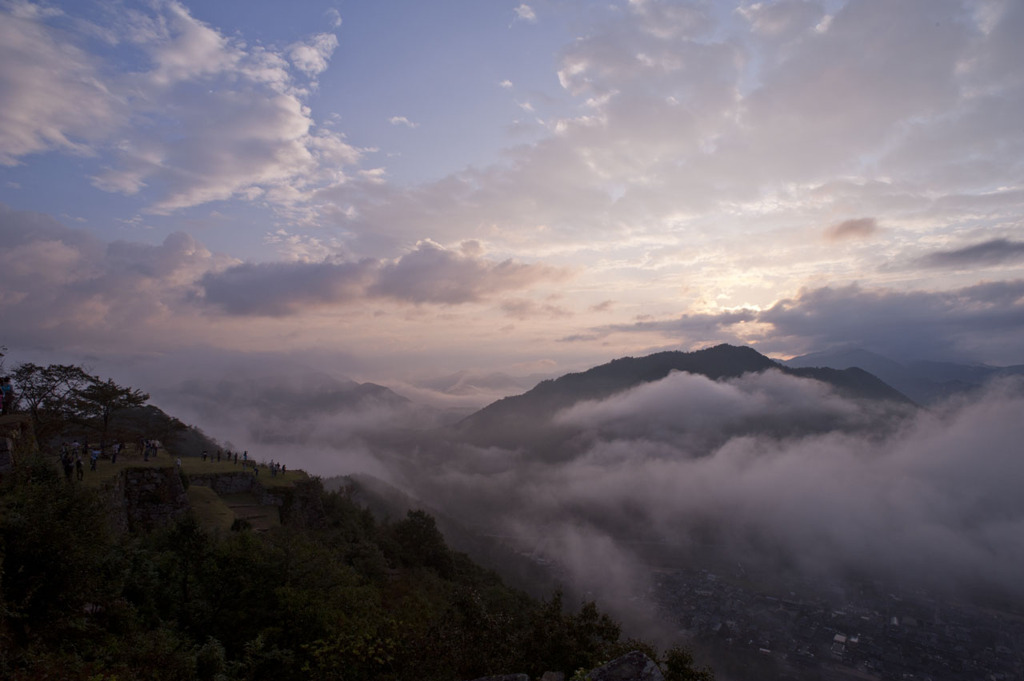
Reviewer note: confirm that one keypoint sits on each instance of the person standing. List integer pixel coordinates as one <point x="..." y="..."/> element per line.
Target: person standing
<point x="7" y="401"/>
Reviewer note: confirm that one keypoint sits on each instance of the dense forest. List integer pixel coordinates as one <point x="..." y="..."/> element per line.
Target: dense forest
<point x="330" y="593"/>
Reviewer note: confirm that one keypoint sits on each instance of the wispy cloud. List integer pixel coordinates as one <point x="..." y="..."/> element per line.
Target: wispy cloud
<point x="984" y="254"/>
<point x="525" y="13"/>
<point x="983" y="320"/>
<point x="429" y="274"/>
<point x="313" y="55"/>
<point x="210" y="118"/>
<point x="856" y="228"/>
<point x="402" y="120"/>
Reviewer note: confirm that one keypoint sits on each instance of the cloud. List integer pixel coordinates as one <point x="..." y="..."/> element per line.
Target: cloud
<point x="521" y="308"/>
<point x="402" y="120"/>
<point x="773" y="471"/>
<point x="782" y="20"/>
<point x="985" y="320"/>
<point x="429" y="274"/>
<point x="53" y="93"/>
<point x="207" y="118"/>
<point x="64" y="285"/>
<point x="333" y="18"/>
<point x="827" y="501"/>
<point x="525" y="13"/>
<point x="694" y="410"/>
<point x="981" y="320"/>
<point x="697" y="327"/>
<point x="857" y="228"/>
<point x="313" y="55"/>
<point x="432" y="274"/>
<point x="984" y="254"/>
<point x="281" y="288"/>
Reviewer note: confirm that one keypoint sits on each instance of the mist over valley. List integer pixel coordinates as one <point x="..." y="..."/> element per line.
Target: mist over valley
<point x="785" y="473"/>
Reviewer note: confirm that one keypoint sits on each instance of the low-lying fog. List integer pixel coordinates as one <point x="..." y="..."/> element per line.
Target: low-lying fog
<point x="740" y="469"/>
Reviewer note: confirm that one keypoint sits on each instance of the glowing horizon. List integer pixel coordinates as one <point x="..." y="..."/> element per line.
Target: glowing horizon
<point x="403" y="191"/>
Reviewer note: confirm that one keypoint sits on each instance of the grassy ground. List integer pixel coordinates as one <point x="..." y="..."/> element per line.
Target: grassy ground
<point x="190" y="465"/>
<point x="213" y="511"/>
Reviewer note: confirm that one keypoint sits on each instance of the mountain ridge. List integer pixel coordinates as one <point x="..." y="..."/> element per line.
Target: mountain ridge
<point x="519" y="414"/>
<point x="924" y="381"/>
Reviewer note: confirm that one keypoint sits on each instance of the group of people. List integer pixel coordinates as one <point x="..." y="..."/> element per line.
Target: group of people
<point x="71" y="458"/>
<point x="229" y="456"/>
<point x="233" y="457"/>
<point x="73" y="455"/>
<point x="148" y="448"/>
<point x="276" y="468"/>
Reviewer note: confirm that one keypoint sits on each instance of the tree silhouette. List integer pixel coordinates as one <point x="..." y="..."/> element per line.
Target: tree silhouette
<point x="100" y="400"/>
<point x="49" y="393"/>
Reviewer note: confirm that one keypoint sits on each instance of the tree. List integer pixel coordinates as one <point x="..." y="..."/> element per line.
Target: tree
<point x="100" y="400"/>
<point x="49" y="393"/>
<point x="422" y="544"/>
<point x="679" y="665"/>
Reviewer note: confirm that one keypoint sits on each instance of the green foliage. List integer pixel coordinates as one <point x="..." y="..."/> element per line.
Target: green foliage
<point x="331" y="594"/>
<point x="49" y="394"/>
<point x="53" y="535"/>
<point x="560" y="640"/>
<point x="61" y="394"/>
<point x="99" y="400"/>
<point x="679" y="665"/>
<point x="420" y="543"/>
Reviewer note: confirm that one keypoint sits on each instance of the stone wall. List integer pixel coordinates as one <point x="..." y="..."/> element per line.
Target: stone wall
<point x="147" y="498"/>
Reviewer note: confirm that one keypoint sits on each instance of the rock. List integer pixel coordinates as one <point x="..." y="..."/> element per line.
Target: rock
<point x="634" y="666"/>
<point x="553" y="676"/>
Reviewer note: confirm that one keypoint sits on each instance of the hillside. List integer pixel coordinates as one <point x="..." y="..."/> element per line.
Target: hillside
<point x="925" y="382"/>
<point x="146" y="588"/>
<point x="522" y="419"/>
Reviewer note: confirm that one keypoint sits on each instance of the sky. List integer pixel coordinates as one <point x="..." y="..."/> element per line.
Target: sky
<point x="399" y="191"/>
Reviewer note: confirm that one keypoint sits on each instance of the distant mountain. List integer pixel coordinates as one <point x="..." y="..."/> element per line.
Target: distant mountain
<point x="294" y="407"/>
<point x="474" y="383"/>
<point x="289" y="396"/>
<point x="518" y="419"/>
<point x="925" y="382"/>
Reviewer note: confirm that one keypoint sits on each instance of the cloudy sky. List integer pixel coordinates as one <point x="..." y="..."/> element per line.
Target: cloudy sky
<point x="399" y="190"/>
